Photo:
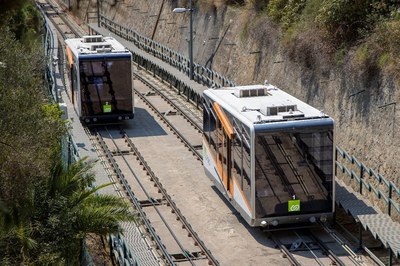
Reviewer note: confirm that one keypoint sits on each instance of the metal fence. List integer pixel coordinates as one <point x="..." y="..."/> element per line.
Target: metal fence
<point x="49" y="42"/>
<point x="202" y="75"/>
<point x="120" y="252"/>
<point x="365" y="179"/>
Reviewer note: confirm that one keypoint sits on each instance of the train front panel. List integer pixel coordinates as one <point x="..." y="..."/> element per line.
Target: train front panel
<point x="105" y="83"/>
<point x="293" y="172"/>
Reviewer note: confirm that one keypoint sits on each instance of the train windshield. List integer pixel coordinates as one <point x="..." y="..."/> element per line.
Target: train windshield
<point x="294" y="171"/>
<point x="106" y="86"/>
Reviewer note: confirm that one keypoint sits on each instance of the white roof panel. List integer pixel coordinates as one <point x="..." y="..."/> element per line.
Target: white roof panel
<point x="95" y="44"/>
<point x="275" y="105"/>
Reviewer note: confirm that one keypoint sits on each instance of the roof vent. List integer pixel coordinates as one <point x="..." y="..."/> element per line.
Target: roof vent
<point x="104" y="47"/>
<point x="93" y="38"/>
<point x="250" y="92"/>
<point x="286" y="111"/>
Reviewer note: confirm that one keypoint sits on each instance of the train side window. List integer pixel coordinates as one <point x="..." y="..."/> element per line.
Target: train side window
<point x="71" y="76"/>
<point x="220" y="140"/>
<point x="213" y="133"/>
<point x="75" y="78"/>
<point x="237" y="153"/>
<point x="237" y="159"/>
<point x="206" y="123"/>
<point x="246" y="164"/>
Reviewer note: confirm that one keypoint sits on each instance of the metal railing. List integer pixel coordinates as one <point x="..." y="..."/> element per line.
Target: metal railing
<point x="120" y="253"/>
<point x="202" y="75"/>
<point x="49" y="42"/>
<point x="366" y="178"/>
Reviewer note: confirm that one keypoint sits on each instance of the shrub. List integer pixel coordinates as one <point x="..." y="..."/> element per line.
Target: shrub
<point x="342" y="19"/>
<point x="349" y="21"/>
<point x="286" y="11"/>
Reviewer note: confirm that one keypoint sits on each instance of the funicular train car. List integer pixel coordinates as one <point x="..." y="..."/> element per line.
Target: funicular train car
<point x="100" y="70"/>
<point x="270" y="154"/>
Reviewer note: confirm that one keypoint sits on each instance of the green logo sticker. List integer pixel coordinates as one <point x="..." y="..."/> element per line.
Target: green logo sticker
<point x="107" y="108"/>
<point x="293" y="205"/>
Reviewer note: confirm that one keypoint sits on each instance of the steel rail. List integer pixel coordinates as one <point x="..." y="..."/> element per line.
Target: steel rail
<point x="312" y="252"/>
<point x="172" y="204"/>
<point x="166" y="256"/>
<point x="76" y="31"/>
<point x="151" y="173"/>
<point x="285" y="251"/>
<point x="45" y="8"/>
<point x="352" y="256"/>
<point x="176" y="132"/>
<point x="189" y="119"/>
<point x="327" y="250"/>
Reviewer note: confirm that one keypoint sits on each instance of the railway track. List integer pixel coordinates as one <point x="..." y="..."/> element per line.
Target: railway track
<point x="64" y="25"/>
<point x="320" y="244"/>
<point x="306" y="247"/>
<point x="173" y="110"/>
<point x="137" y="181"/>
<point x="171" y="234"/>
<point x="185" y="108"/>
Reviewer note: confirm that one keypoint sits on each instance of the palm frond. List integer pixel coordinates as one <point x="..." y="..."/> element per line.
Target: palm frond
<point x="87" y="193"/>
<point x="23" y="233"/>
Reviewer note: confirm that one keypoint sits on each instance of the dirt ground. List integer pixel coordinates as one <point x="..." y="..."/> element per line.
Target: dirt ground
<point x="99" y="250"/>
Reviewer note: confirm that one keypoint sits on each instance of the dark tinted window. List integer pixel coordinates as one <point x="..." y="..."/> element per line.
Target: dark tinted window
<point x="246" y="164"/>
<point x="106" y="86"/>
<point x="293" y="165"/>
<point x="206" y="122"/>
<point x="237" y="158"/>
<point x="213" y="133"/>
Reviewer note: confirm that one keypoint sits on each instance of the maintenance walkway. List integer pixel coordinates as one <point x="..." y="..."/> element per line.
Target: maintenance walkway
<point x="371" y="218"/>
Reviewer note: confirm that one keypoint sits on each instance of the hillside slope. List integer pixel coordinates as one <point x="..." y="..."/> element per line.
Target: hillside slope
<point x="249" y="48"/>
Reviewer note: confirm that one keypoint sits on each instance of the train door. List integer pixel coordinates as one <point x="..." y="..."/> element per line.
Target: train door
<point x="72" y="74"/>
<point x="224" y="151"/>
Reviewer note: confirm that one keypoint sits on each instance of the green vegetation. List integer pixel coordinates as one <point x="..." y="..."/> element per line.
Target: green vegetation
<point x="23" y="18"/>
<point x="332" y="28"/>
<point x="45" y="211"/>
<point x="341" y="20"/>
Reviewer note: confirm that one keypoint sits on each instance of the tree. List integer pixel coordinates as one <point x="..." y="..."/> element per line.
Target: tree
<point x="65" y="208"/>
<point x="29" y="135"/>
<point x="69" y="201"/>
<point x="45" y="211"/>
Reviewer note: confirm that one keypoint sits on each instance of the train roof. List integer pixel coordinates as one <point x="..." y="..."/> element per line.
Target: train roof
<point x="260" y="104"/>
<point x="95" y="45"/>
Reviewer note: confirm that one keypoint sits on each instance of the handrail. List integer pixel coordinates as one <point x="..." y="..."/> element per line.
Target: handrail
<point x="203" y="75"/>
<point x="391" y="189"/>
